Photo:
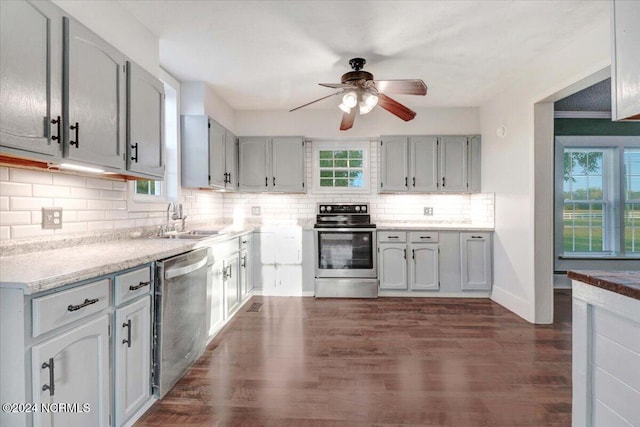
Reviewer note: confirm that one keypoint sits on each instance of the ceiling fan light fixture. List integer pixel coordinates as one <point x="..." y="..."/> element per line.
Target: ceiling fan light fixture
<point x="344" y="108"/>
<point x="369" y="101"/>
<point x="350" y="99"/>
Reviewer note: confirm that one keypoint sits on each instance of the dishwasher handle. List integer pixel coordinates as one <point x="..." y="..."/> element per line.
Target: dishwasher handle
<point x="181" y="271"/>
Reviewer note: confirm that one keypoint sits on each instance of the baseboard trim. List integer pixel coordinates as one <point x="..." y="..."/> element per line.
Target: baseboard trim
<point x="434" y="294"/>
<point x="512" y="302"/>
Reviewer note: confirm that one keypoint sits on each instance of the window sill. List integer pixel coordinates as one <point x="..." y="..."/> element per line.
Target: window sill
<point x="600" y="257"/>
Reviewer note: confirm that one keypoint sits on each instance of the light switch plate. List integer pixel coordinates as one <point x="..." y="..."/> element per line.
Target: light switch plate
<point x="51" y="218"/>
<point x="428" y="211"/>
<point x="255" y="210"/>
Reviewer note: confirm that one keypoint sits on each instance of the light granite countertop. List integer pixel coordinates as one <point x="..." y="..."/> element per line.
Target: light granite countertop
<point x="430" y="226"/>
<point x="45" y="270"/>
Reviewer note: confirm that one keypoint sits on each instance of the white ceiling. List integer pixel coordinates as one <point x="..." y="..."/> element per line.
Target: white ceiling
<point x="270" y="55"/>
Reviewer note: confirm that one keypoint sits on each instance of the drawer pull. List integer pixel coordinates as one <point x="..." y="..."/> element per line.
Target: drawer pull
<point x="51" y="386"/>
<point x="127" y="325"/>
<point x="86" y="302"/>
<point x="393" y="237"/>
<point x="244" y="242"/>
<point x="140" y="285"/>
<point x="477" y="237"/>
<point x="425" y="237"/>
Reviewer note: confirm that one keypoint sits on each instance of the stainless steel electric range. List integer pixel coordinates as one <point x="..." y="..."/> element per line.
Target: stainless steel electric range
<point x="345" y="242"/>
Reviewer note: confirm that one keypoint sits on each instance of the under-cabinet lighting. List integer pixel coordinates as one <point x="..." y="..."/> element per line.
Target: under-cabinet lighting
<point x="80" y="168"/>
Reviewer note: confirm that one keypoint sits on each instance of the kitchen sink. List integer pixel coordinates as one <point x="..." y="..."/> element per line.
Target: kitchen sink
<point x="189" y="235"/>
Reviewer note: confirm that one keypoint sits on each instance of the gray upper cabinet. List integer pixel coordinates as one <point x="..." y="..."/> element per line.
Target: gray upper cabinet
<point x="429" y="164"/>
<point x="254" y="167"/>
<point x="393" y="171"/>
<point x="30" y="78"/>
<point x="94" y="116"/>
<point x="145" y="111"/>
<point x="453" y="164"/>
<point x="271" y="164"/>
<point x="625" y="61"/>
<point x="208" y="154"/>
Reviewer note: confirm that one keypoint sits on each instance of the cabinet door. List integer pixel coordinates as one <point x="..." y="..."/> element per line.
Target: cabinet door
<point x="453" y="164"/>
<point x="217" y="171"/>
<point x="215" y="297"/>
<point x="231" y="282"/>
<point x="394" y="175"/>
<point x="231" y="160"/>
<point x="253" y="157"/>
<point x="423" y="267"/>
<point x="132" y="358"/>
<point x="145" y="122"/>
<point x="475" y="156"/>
<point x="424" y="163"/>
<point x="392" y="266"/>
<point x="30" y="76"/>
<point x="475" y="261"/>
<point x="287" y="160"/>
<point x="625" y="79"/>
<point x="76" y="365"/>
<point x="95" y="87"/>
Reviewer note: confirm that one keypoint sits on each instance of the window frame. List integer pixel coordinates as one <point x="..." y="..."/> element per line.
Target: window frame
<point x="359" y="145"/>
<point x="616" y="186"/>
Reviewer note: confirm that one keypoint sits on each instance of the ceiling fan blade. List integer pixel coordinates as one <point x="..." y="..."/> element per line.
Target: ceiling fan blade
<point x="407" y="87"/>
<point x="320" y="99"/>
<point x="394" y="107"/>
<point x="348" y="119"/>
<point x="336" y="85"/>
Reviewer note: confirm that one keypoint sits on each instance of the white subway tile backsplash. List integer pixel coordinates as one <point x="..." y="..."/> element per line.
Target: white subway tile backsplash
<point x="92" y="215"/>
<point x="27" y="231"/>
<point x="69" y="180"/>
<point x="84" y="193"/>
<point x="5" y="232"/>
<point x="15" y="189"/>
<point x="4" y="203"/>
<point x="4" y="173"/>
<point x="112" y="195"/>
<point x="100" y="225"/>
<point x="40" y="190"/>
<point x="71" y="228"/>
<point x="15" y="217"/>
<point x="29" y="203"/>
<point x="119" y="185"/>
<point x="30" y="176"/>
<point x="99" y="183"/>
<point x="71" y="204"/>
<point x="99" y="204"/>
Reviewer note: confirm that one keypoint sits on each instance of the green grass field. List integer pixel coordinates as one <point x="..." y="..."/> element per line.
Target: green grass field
<point x="584" y="235"/>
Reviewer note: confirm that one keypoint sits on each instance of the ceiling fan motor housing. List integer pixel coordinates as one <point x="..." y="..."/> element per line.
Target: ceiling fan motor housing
<point x="354" y="76"/>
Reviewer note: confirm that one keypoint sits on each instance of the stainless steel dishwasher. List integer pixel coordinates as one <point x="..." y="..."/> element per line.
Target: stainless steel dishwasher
<point x="180" y="316"/>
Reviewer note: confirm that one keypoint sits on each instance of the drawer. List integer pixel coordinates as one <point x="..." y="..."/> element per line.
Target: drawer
<point x="392" y="236"/>
<point x="132" y="284"/>
<point x="423" y="236"/>
<point x="59" y="309"/>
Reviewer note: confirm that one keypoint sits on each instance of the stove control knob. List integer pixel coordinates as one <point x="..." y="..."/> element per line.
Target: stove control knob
<point x="328" y="208"/>
<point x="357" y="208"/>
<point x="322" y="208"/>
<point x="363" y="208"/>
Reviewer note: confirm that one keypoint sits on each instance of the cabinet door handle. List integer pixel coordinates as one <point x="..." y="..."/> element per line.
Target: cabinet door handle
<point x="413" y="254"/>
<point x="244" y="262"/>
<point x="443" y="182"/>
<point x="138" y="286"/>
<point x="405" y="254"/>
<point x="405" y="181"/>
<point x="58" y="123"/>
<point x="51" y="386"/>
<point x="266" y="181"/>
<point x="477" y="237"/>
<point x="77" y="129"/>
<point x="134" y="147"/>
<point x="86" y="302"/>
<point x="274" y="181"/>
<point x="414" y="181"/>
<point x="229" y="276"/>
<point x="127" y="325"/>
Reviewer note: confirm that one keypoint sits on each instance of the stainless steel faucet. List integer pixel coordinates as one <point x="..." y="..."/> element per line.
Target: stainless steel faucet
<point x="169" y="208"/>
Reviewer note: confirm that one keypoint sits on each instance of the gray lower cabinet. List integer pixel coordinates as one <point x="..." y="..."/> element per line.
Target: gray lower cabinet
<point x="231" y="283"/>
<point x="428" y="164"/>
<point x="132" y="358"/>
<point x="208" y="154"/>
<point x="73" y="368"/>
<point x="215" y="298"/>
<point x="30" y="78"/>
<point x="475" y="261"/>
<point x="94" y="109"/>
<point x="271" y="164"/>
<point x="145" y="122"/>
<point x="406" y="261"/>
<point x="246" y="265"/>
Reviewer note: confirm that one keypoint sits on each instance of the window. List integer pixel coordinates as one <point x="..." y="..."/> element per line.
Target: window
<point x="632" y="200"/>
<point x="149" y="188"/>
<point x="341" y="167"/>
<point x="597" y="197"/>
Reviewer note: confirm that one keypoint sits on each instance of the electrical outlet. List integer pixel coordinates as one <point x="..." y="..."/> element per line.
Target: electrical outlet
<point x="255" y="210"/>
<point x="428" y="211"/>
<point x="51" y="218"/>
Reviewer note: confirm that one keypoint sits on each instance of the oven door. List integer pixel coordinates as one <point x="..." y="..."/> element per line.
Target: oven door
<point x="346" y="252"/>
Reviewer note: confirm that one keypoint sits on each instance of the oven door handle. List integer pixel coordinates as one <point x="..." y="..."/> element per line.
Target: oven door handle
<point x="335" y="229"/>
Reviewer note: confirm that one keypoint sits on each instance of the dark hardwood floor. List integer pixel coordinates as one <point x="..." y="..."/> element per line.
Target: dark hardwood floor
<point x="391" y="361"/>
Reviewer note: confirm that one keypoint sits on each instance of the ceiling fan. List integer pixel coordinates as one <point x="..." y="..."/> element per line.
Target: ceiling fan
<point x="359" y="89"/>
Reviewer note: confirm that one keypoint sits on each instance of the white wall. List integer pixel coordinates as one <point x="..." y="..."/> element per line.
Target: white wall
<point x="113" y="23"/>
<point x="508" y="167"/>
